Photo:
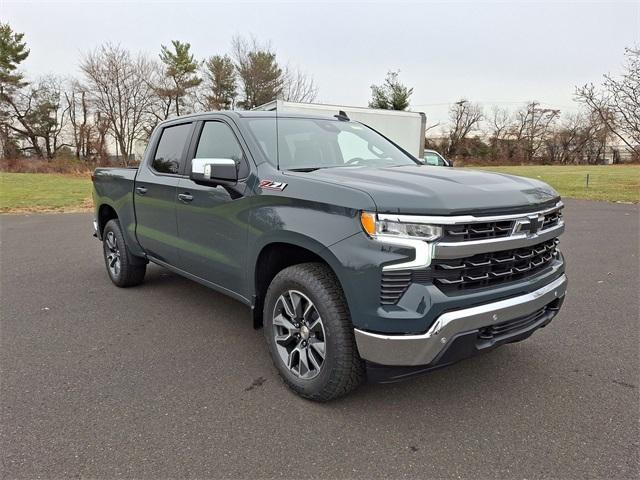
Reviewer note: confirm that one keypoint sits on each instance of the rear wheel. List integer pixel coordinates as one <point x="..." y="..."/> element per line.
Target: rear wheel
<point x="309" y="333"/>
<point x="124" y="269"/>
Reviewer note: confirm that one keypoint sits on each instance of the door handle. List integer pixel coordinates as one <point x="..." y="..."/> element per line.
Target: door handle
<point x="141" y="190"/>
<point x="185" y="197"/>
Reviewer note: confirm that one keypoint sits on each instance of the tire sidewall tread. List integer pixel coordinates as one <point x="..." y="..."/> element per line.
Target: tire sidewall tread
<point x="342" y="370"/>
<point x="131" y="272"/>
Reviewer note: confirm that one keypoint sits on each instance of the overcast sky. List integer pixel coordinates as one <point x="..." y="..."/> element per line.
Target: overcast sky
<point x="502" y="53"/>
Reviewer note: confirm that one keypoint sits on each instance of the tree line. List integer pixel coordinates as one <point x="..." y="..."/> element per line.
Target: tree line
<point x="609" y="115"/>
<point x="121" y="96"/>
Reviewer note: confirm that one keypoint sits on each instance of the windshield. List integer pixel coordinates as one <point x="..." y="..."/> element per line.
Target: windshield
<point x="311" y="143"/>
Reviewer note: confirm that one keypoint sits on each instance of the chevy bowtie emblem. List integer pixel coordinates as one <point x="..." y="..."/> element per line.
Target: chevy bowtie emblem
<point x="530" y="225"/>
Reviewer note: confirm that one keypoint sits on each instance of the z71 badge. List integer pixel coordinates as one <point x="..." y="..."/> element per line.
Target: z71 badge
<point x="271" y="185"/>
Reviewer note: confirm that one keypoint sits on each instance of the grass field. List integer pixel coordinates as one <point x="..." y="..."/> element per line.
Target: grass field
<point x="616" y="183"/>
<point x="42" y="192"/>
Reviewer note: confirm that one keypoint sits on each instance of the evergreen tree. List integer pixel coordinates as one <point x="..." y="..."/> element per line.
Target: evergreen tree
<point x="13" y="51"/>
<point x="221" y="89"/>
<point x="260" y="75"/>
<point x="181" y="72"/>
<point x="391" y="95"/>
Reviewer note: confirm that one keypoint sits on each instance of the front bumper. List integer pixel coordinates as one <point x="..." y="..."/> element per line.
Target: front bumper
<point x="427" y="348"/>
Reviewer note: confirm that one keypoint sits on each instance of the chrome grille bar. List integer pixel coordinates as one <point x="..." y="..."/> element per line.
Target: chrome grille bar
<point x="475" y="247"/>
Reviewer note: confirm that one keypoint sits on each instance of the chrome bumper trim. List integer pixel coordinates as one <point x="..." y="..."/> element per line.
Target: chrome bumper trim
<point x="422" y="349"/>
<point x="475" y="247"/>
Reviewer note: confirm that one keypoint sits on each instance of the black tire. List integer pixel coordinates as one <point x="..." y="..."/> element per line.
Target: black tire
<point x="342" y="369"/>
<point x="130" y="270"/>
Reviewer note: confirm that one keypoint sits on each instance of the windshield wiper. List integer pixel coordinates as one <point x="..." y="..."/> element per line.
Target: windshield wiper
<point x="306" y="169"/>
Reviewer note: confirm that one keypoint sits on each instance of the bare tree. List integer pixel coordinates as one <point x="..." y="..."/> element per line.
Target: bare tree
<point x="77" y="99"/>
<point x="98" y="140"/>
<point x="53" y="125"/>
<point x="617" y="102"/>
<point x="500" y="123"/>
<point x="532" y="126"/>
<point x="465" y="117"/>
<point x="298" y="86"/>
<point x="431" y="127"/>
<point x="121" y="93"/>
<point x="499" y="127"/>
<point x="21" y="114"/>
<point x="581" y="138"/>
<point x="37" y="114"/>
<point x="161" y="105"/>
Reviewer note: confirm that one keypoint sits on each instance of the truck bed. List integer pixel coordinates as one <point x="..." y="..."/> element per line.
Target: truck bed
<point x="114" y="186"/>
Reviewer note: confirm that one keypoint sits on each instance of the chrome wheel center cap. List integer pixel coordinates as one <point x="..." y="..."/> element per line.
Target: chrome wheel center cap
<point x="304" y="332"/>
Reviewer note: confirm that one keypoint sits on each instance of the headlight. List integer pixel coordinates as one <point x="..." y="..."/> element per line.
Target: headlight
<point x="375" y="227"/>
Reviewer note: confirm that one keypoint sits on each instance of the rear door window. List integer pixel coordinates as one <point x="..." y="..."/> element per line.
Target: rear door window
<point x="169" y="157"/>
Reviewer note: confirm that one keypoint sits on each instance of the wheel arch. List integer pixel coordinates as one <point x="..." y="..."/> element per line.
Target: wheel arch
<point x="105" y="213"/>
<point x="278" y="253"/>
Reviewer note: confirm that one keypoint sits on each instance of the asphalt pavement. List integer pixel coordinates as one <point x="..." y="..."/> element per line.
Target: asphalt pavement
<point x="169" y="379"/>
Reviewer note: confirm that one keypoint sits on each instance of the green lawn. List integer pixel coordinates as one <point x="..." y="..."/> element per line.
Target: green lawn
<point x="606" y="182"/>
<point x="41" y="192"/>
<point x="44" y="192"/>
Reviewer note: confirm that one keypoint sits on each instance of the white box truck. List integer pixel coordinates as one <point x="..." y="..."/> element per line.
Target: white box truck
<point x="407" y="129"/>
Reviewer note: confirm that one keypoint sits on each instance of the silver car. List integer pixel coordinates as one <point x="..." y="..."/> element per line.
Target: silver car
<point x="431" y="157"/>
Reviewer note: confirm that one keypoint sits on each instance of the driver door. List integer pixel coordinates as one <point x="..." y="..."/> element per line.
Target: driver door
<point x="212" y="220"/>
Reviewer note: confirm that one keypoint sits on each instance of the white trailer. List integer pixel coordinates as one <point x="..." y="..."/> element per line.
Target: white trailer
<point x="407" y="129"/>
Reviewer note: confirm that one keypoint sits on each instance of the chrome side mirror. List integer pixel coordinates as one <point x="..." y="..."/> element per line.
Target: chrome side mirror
<point x="214" y="170"/>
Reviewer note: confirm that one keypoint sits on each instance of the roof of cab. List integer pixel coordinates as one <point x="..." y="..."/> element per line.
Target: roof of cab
<point x="239" y="114"/>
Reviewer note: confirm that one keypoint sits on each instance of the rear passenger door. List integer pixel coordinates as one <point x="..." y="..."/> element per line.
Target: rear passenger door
<point x="155" y="192"/>
<point x="212" y="220"/>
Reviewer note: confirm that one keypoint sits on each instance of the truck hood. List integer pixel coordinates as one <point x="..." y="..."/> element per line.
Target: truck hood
<point x="440" y="191"/>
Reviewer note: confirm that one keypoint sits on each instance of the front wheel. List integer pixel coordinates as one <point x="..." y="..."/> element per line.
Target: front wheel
<point x="124" y="269"/>
<point x="309" y="333"/>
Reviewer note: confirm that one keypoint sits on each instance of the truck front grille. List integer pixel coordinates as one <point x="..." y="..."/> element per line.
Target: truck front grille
<point x="478" y="271"/>
<point x="477" y="252"/>
<point x="464" y="232"/>
<point x="477" y="231"/>
<point x="491" y="268"/>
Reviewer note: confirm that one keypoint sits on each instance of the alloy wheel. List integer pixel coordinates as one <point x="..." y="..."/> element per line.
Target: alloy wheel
<point x="113" y="254"/>
<point x="299" y="334"/>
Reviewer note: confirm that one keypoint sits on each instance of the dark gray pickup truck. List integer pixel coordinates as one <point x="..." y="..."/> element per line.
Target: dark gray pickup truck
<point x="358" y="261"/>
